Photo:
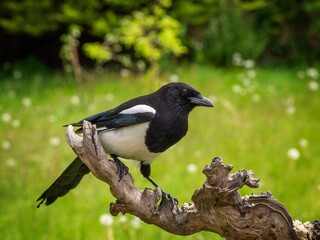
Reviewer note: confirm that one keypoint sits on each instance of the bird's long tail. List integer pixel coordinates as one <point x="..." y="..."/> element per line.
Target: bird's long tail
<point x="68" y="180"/>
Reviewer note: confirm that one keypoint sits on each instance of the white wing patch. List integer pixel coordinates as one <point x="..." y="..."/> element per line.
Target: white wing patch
<point x="142" y="108"/>
<point x="129" y="142"/>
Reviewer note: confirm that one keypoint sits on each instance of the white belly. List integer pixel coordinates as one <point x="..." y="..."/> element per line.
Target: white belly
<point x="128" y="142"/>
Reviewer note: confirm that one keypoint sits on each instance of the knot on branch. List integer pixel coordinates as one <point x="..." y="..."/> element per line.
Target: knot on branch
<point x="221" y="186"/>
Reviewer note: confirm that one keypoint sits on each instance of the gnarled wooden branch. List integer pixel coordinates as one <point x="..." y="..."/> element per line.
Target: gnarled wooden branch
<point x="216" y="207"/>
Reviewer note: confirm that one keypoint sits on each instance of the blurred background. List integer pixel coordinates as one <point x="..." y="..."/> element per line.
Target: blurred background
<point x="61" y="61"/>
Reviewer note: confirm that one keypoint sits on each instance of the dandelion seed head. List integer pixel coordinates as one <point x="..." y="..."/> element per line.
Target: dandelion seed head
<point x="11" y="162"/>
<point x="174" y="78"/>
<point x="251" y="73"/>
<point x="54" y="141"/>
<point x="312" y="73"/>
<point x="16" y="123"/>
<point x="106" y="220"/>
<point x="290" y="110"/>
<point x="303" y="142"/>
<point x="136" y="222"/>
<point x="6" y="145"/>
<point x="75" y="100"/>
<point x="109" y="97"/>
<point x="249" y="63"/>
<point x="255" y="97"/>
<point x="26" y="102"/>
<point x="293" y="154"/>
<point x="123" y="219"/>
<point x="313" y="85"/>
<point x="237" y="88"/>
<point x="192" y="168"/>
<point x="6" y="117"/>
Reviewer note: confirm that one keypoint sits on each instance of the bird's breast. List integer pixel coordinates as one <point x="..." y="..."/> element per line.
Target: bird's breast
<point x="128" y="142"/>
<point x="164" y="133"/>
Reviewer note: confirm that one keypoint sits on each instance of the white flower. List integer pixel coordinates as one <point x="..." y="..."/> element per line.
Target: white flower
<point x="16" y="123"/>
<point x="11" y="162"/>
<point x="136" y="222"/>
<point x="237" y="88"/>
<point x="26" y="102"/>
<point x="251" y="73"/>
<point x="255" y="97"/>
<point x="123" y="219"/>
<point x="303" y="142"/>
<point x="192" y="168"/>
<point x="6" y="144"/>
<point x="174" y="78"/>
<point x="109" y="97"/>
<point x="313" y="85"/>
<point x="54" y="141"/>
<point x="312" y="73"/>
<point x="106" y="220"/>
<point x="75" y="100"/>
<point x="6" y="117"/>
<point x="246" y="81"/>
<point x="293" y="153"/>
<point x="290" y="110"/>
<point x="248" y="63"/>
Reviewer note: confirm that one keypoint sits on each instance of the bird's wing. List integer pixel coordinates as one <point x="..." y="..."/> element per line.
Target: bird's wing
<point x="114" y="119"/>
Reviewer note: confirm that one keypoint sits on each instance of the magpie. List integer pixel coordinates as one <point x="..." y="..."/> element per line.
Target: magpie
<point x="139" y="129"/>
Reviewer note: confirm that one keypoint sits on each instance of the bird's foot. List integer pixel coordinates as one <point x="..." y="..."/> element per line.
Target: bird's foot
<point x="168" y="198"/>
<point x="122" y="169"/>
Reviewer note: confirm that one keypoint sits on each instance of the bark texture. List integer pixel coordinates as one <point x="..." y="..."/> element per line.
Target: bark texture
<point x="216" y="206"/>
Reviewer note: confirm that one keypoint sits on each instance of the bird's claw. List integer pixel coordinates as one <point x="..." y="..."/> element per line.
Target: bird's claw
<point x="168" y="198"/>
<point x="122" y="170"/>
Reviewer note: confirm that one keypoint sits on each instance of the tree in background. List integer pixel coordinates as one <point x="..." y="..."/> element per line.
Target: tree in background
<point x="127" y="31"/>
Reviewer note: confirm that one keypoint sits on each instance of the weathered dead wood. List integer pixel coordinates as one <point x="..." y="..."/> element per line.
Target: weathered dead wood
<point x="216" y="206"/>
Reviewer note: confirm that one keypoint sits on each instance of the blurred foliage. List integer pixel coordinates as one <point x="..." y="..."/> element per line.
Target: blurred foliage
<point x="149" y="32"/>
<point x="212" y="30"/>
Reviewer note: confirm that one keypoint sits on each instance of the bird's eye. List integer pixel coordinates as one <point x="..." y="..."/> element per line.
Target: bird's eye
<point x="184" y="92"/>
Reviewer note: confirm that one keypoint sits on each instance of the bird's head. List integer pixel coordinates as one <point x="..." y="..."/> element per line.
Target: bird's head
<point x="184" y="96"/>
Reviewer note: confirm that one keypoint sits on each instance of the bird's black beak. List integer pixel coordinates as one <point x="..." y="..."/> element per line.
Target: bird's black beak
<point x="201" y="101"/>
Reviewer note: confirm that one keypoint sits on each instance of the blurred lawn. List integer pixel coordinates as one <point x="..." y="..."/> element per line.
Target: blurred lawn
<point x="259" y="115"/>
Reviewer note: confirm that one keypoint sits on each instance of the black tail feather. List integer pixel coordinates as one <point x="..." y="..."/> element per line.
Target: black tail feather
<point x="68" y="180"/>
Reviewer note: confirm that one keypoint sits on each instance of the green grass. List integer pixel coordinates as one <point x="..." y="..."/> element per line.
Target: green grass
<point x="246" y="133"/>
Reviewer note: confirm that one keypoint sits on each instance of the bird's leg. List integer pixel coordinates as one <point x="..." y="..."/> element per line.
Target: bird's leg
<point x="122" y="169"/>
<point x="145" y="170"/>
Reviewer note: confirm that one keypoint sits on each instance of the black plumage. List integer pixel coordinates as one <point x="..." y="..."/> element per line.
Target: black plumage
<point x="139" y="129"/>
